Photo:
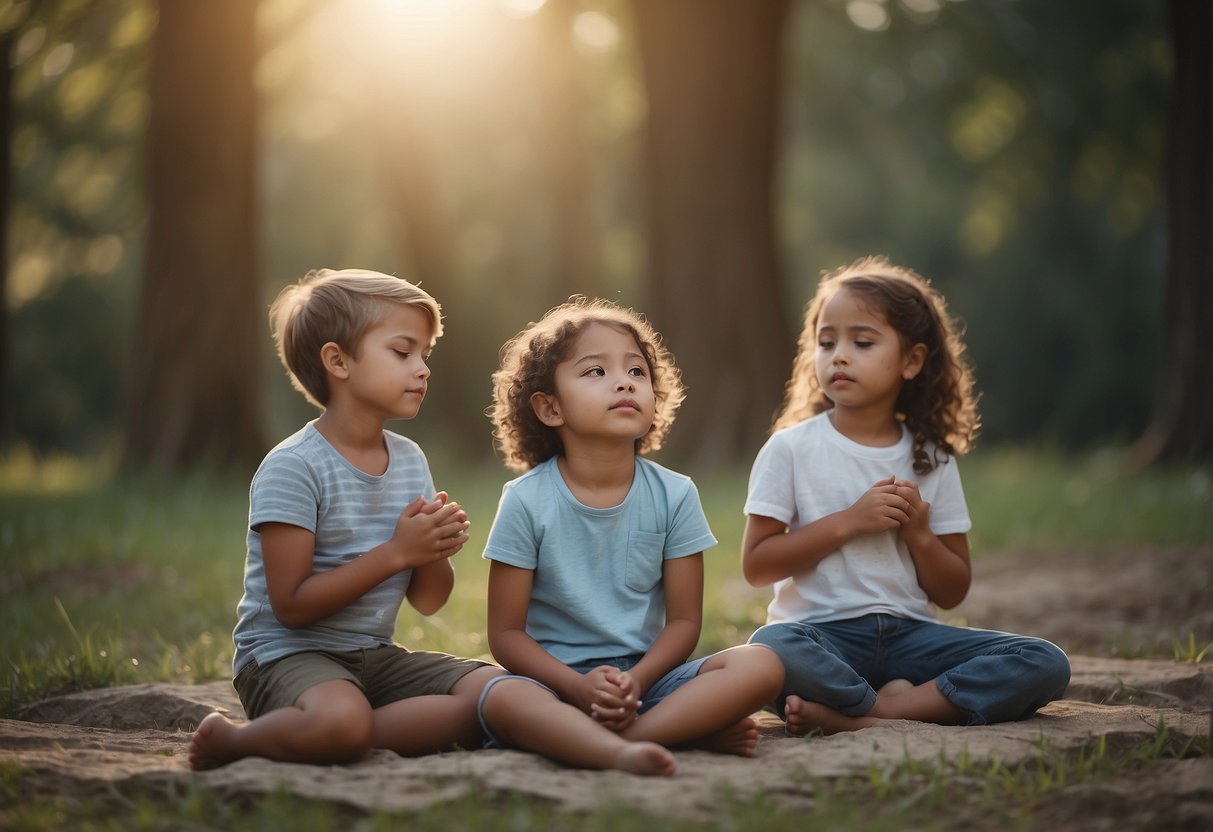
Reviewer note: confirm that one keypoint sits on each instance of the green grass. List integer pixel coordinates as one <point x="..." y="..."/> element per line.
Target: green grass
<point x="109" y="579"/>
<point x="933" y="793"/>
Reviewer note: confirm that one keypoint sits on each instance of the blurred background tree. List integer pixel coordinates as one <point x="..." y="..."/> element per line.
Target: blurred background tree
<point x="703" y="162"/>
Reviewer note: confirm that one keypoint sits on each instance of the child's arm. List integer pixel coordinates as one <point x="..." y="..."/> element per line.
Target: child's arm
<point x="770" y="553"/>
<point x="682" y="579"/>
<point x="518" y="652"/>
<point x="941" y="561"/>
<point x="300" y="596"/>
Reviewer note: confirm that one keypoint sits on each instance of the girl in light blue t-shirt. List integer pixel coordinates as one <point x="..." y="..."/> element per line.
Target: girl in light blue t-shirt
<point x="596" y="583"/>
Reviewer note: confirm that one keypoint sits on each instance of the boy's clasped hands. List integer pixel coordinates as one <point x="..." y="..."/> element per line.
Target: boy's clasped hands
<point x="430" y="531"/>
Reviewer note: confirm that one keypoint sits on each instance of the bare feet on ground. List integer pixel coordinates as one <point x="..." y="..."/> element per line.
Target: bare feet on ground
<point x="210" y="747"/>
<point x="646" y="758"/>
<point x="740" y="738"/>
<point x="803" y="716"/>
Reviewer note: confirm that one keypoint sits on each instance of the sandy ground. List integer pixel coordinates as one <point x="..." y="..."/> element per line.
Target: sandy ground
<point x="1103" y="609"/>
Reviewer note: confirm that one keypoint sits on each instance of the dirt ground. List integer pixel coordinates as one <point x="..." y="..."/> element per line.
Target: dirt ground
<point x="1106" y="610"/>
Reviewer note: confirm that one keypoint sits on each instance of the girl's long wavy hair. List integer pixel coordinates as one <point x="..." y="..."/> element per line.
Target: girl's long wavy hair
<point x="528" y="366"/>
<point x="938" y="406"/>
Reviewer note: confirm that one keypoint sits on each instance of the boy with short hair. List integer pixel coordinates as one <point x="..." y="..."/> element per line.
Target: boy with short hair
<point x="344" y="524"/>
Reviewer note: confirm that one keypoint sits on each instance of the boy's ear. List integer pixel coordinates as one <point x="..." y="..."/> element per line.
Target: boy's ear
<point x="547" y="409"/>
<point x="334" y="360"/>
<point x="913" y="362"/>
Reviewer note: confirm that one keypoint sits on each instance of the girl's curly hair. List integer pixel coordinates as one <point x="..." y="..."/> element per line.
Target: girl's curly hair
<point x="528" y="366"/>
<point x="939" y="405"/>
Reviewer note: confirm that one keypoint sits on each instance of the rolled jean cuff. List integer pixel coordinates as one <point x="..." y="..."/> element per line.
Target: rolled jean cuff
<point x="490" y="739"/>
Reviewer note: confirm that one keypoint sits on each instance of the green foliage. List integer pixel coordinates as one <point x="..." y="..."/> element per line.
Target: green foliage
<point x="1010" y="151"/>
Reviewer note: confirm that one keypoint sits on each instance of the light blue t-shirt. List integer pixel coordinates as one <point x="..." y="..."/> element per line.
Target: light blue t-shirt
<point x="305" y="482"/>
<point x="597" y="591"/>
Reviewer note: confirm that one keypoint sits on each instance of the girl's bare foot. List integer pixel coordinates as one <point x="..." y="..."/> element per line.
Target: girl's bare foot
<point x="895" y="686"/>
<point x="211" y="744"/>
<point x="740" y="738"/>
<point x="802" y="716"/>
<point x="646" y="758"/>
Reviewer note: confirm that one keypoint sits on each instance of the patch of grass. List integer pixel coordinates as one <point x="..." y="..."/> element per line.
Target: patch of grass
<point x="993" y="789"/>
<point x="1045" y="500"/>
<point x="1189" y="652"/>
<point x="198" y="808"/>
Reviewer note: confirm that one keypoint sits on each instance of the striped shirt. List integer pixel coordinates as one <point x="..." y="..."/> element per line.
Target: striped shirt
<point x="305" y="482"/>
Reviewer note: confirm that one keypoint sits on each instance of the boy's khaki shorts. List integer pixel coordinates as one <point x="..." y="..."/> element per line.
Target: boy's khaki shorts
<point x="385" y="674"/>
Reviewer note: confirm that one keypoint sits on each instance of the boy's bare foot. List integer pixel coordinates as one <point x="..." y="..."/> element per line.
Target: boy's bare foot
<point x="210" y="747"/>
<point x="740" y="738"/>
<point x="646" y="758"/>
<point x="802" y="716"/>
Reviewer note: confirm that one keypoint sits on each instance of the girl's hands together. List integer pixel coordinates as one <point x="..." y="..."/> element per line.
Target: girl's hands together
<point x="918" y="513"/>
<point x="613" y="697"/>
<point x="882" y="507"/>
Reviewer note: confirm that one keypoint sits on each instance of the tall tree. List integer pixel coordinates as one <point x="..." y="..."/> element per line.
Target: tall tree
<point x="565" y="147"/>
<point x="712" y="72"/>
<point x="1182" y="426"/>
<point x="195" y="392"/>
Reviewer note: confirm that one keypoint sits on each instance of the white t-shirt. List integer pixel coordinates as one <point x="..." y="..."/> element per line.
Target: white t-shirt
<point x="810" y="470"/>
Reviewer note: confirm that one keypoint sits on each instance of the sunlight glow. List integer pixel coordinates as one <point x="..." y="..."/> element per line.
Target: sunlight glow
<point x="522" y="8"/>
<point x="596" y="32"/>
<point x="868" y="14"/>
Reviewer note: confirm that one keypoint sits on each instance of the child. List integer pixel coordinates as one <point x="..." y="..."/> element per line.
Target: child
<point x="855" y="512"/>
<point x="596" y="582"/>
<point x="343" y="525"/>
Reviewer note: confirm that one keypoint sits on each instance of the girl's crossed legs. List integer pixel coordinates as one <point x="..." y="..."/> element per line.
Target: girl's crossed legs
<point x="838" y="673"/>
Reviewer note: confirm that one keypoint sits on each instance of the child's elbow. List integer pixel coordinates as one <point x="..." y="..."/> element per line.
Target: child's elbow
<point x="753" y="574"/>
<point x="292" y="618"/>
<point x="427" y="604"/>
<point x="952" y="596"/>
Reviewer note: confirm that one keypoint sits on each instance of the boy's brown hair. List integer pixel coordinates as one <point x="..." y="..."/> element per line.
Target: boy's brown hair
<point x="337" y="306"/>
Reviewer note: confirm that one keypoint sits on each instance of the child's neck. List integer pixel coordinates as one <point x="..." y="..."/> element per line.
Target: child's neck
<point x="359" y="441"/>
<point x="597" y="479"/>
<point x="874" y="428"/>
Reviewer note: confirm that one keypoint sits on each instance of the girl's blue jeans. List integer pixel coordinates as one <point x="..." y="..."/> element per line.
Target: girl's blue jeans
<point x="991" y="676"/>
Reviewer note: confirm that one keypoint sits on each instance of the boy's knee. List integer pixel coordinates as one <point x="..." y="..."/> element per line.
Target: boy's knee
<point x="344" y="727"/>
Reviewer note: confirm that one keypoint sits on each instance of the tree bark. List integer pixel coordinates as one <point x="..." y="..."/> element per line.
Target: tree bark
<point x="6" y="131"/>
<point x="195" y="393"/>
<point x="1182" y="425"/>
<point x="565" y="148"/>
<point x="712" y="71"/>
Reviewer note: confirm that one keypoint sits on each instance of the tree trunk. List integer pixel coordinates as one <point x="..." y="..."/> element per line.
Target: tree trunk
<point x="712" y="71"/>
<point x="195" y="393"/>
<point x="1182" y="426"/>
<point x="6" y="131"/>
<point x="565" y="148"/>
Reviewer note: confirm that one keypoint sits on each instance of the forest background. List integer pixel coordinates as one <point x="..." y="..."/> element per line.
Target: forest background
<point x="174" y="164"/>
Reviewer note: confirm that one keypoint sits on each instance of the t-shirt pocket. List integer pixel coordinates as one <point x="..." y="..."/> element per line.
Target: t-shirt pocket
<point x="643" y="569"/>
